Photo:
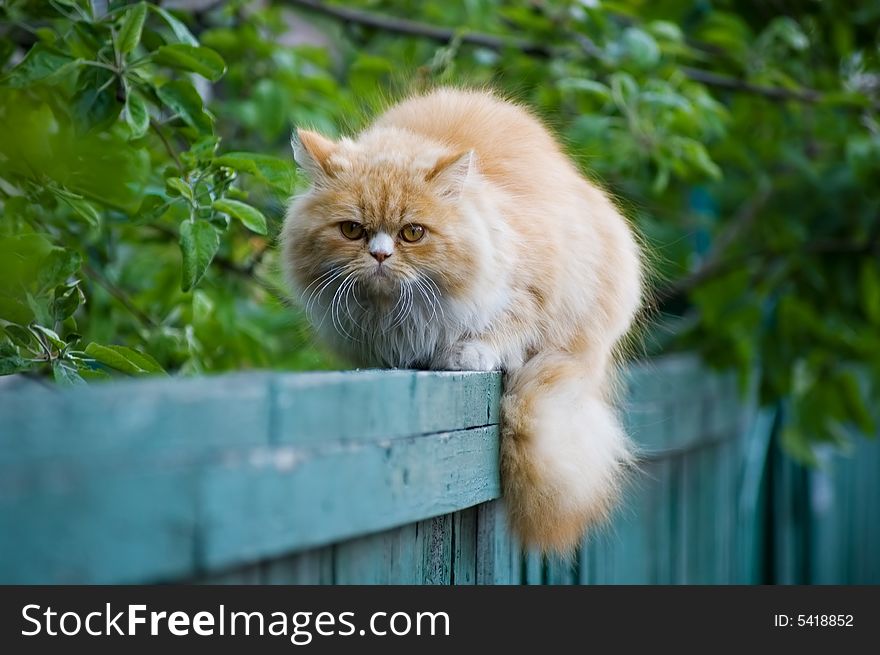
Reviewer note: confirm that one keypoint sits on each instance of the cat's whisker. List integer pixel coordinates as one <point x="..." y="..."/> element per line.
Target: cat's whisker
<point x="440" y="274"/>
<point x="318" y="280"/>
<point x="428" y="298"/>
<point x="406" y="295"/>
<point x="335" y="316"/>
<point x="354" y="295"/>
<point x="351" y="282"/>
<point x="409" y="305"/>
<point x="333" y="304"/>
<point x="392" y="313"/>
<point x="436" y="294"/>
<point x="349" y="293"/>
<point x="316" y="294"/>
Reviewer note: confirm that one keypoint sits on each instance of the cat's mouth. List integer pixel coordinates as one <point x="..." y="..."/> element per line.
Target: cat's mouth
<point x="381" y="281"/>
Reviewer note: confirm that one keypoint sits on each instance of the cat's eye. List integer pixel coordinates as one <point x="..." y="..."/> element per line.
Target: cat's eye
<point x="412" y="233"/>
<point x="352" y="229"/>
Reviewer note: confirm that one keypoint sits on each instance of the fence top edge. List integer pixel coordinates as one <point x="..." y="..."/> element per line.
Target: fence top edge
<point x="243" y="380"/>
<point x="19" y="385"/>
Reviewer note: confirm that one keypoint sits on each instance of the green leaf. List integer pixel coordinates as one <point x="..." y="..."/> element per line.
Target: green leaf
<point x="181" y="97"/>
<point x="640" y="47"/>
<point x="126" y="360"/>
<point x="84" y="209"/>
<point x="10" y="361"/>
<point x="21" y="336"/>
<point x="67" y="300"/>
<point x="132" y="26"/>
<point x="870" y="290"/>
<point x="591" y="87"/>
<point x="58" y="267"/>
<point x="137" y="115"/>
<point x="180" y="30"/>
<point x="95" y="104"/>
<point x="624" y="89"/>
<point x="199" y="242"/>
<point x="798" y="445"/>
<point x="49" y="335"/>
<point x="41" y="64"/>
<point x="277" y="173"/>
<point x="93" y="374"/>
<point x="179" y="185"/>
<point x="250" y="217"/>
<point x="196" y="59"/>
<point x="65" y="374"/>
<point x="666" y="30"/>
<point x="847" y="386"/>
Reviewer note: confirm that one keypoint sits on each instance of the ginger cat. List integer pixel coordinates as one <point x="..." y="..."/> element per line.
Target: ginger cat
<point x="455" y="234"/>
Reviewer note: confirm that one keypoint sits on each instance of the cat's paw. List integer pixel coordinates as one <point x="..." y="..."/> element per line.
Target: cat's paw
<point x="470" y="356"/>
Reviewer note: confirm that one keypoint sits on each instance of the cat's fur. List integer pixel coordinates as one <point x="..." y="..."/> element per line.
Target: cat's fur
<point x="525" y="266"/>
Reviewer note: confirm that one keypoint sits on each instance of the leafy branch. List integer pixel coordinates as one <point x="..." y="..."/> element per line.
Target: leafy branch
<point x="588" y="47"/>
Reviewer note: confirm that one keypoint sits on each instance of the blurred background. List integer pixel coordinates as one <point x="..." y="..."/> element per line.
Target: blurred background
<point x="144" y="169"/>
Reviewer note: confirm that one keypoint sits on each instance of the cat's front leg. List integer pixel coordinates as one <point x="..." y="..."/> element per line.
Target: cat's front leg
<point x="468" y="356"/>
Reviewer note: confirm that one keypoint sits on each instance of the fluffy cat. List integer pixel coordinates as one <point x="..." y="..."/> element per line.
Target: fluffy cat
<point x="454" y="234"/>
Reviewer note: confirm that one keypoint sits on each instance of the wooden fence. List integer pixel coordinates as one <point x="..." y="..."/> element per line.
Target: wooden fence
<point x="392" y="477"/>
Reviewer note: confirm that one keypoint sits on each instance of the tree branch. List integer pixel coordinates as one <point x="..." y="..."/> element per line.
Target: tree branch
<point x="495" y="42"/>
<point x="414" y="28"/>
<point x="713" y="264"/>
<point x="245" y="273"/>
<point x="709" y="78"/>
<point x="719" y="267"/>
<point x="119" y="295"/>
<point x="158" y="130"/>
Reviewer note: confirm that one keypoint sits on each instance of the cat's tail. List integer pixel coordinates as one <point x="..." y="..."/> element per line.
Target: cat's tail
<point x="564" y="454"/>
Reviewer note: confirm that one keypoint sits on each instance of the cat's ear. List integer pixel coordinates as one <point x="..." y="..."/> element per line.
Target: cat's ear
<point x="312" y="152"/>
<point x="451" y="172"/>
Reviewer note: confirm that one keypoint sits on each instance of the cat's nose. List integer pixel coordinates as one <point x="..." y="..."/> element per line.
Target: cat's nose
<point x="381" y="246"/>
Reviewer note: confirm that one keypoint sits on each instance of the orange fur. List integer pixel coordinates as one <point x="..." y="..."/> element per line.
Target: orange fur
<point x="524" y="266"/>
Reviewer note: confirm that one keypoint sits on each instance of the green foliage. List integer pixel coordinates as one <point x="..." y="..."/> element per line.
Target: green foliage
<point x="112" y="166"/>
<point x="144" y="170"/>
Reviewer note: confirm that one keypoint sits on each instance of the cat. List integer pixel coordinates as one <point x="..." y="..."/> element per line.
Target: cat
<point x="454" y="234"/>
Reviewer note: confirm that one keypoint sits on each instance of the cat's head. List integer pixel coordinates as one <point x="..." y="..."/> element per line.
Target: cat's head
<point x="384" y="212"/>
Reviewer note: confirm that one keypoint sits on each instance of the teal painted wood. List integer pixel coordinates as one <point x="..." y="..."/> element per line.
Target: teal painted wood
<point x="252" y="510"/>
<point x="374" y="405"/>
<point x="497" y="556"/>
<point x="434" y="540"/>
<point x="387" y="558"/>
<point x="464" y="547"/>
<point x="844" y="506"/>
<point x="751" y="480"/>
<point x="164" y="479"/>
<point x="311" y="567"/>
<point x="659" y="514"/>
<point x="562" y="570"/>
<point x="192" y="417"/>
<point x="417" y="553"/>
<point x="533" y="569"/>
<point x="392" y="477"/>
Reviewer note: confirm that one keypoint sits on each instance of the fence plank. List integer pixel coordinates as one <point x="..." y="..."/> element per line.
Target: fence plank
<point x="434" y="539"/>
<point x="464" y="551"/>
<point x="498" y="557"/>
<point x="371" y="405"/>
<point x="175" y="420"/>
<point x="123" y="527"/>
<point x="261" y="509"/>
<point x="311" y="567"/>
